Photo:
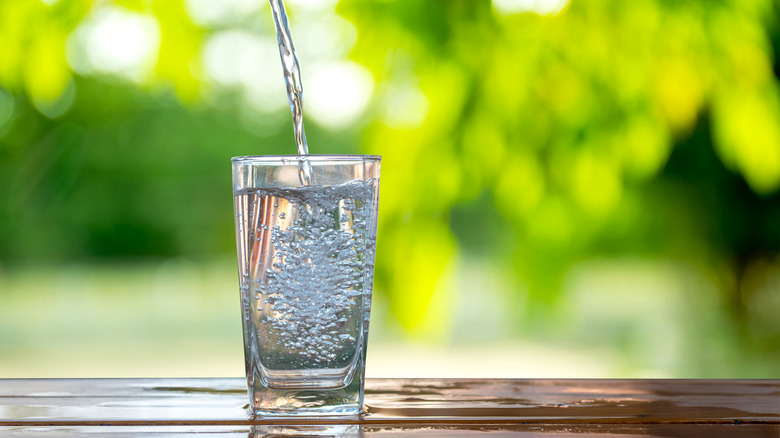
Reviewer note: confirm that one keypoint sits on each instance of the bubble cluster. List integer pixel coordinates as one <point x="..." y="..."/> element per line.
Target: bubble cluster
<point x="312" y="283"/>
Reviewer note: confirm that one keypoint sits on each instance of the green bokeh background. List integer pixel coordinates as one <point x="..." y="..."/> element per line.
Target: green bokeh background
<point x="592" y="175"/>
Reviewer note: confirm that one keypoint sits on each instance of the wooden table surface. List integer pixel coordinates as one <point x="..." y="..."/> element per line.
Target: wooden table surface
<point x="411" y="407"/>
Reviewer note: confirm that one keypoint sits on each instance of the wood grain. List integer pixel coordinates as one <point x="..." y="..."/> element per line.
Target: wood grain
<point x="429" y="407"/>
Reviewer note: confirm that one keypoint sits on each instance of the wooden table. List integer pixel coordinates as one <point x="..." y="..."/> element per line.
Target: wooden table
<point x="413" y="407"/>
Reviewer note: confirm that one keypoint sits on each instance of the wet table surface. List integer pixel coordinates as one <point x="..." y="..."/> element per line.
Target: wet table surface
<point x="412" y="407"/>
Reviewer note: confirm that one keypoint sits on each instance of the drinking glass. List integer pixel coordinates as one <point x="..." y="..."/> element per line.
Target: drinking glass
<point x="306" y="268"/>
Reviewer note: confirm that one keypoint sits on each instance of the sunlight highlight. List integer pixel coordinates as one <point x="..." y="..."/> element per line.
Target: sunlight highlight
<point x="212" y="13"/>
<point x="541" y="7"/>
<point x="337" y="93"/>
<point x="117" y="41"/>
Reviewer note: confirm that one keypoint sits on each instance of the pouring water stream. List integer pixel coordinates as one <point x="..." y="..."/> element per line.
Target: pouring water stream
<point x="292" y="78"/>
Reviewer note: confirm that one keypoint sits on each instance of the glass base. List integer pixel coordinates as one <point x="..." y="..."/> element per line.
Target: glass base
<point x="336" y="430"/>
<point x="328" y="378"/>
<point x="344" y="401"/>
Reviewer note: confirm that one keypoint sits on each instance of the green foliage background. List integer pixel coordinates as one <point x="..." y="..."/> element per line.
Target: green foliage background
<point x="645" y="130"/>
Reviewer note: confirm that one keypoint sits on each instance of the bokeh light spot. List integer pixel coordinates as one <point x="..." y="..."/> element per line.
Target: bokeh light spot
<point x="405" y="107"/>
<point x="115" y="40"/>
<point x="338" y="93"/>
<point x="212" y="13"/>
<point x="541" y="7"/>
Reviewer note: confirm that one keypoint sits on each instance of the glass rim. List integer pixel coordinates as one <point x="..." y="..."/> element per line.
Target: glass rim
<point x="288" y="159"/>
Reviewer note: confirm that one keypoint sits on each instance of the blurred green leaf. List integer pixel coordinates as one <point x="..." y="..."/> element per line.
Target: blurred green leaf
<point x="643" y="129"/>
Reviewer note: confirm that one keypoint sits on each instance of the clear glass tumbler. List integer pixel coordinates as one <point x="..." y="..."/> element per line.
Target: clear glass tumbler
<point x="306" y="269"/>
